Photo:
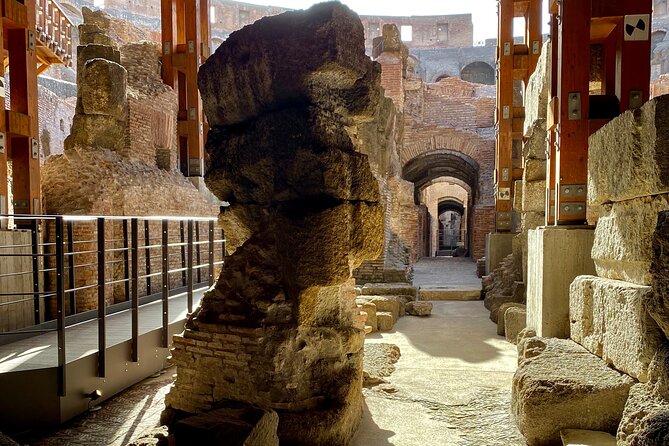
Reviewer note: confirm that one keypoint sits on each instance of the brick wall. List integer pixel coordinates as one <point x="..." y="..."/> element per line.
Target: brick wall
<point x="445" y="31"/>
<point x="483" y="222"/>
<point x="55" y="119"/>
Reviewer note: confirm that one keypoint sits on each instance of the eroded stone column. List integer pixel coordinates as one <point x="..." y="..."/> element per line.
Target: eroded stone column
<point x="282" y="97"/>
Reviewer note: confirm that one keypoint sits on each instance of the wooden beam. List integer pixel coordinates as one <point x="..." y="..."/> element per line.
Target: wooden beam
<point x="573" y="91"/>
<point x="23" y="74"/>
<point x="4" y="180"/>
<point x="634" y="65"/>
<point x="193" y="101"/>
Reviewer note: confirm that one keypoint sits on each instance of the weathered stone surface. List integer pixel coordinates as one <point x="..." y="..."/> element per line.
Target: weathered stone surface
<point x="645" y="420"/>
<point x="235" y="424"/>
<point x="537" y="92"/>
<point x="623" y="239"/>
<point x="385" y="320"/>
<point x="501" y="311"/>
<point x="560" y="385"/>
<point x="534" y="196"/>
<point x="535" y="145"/>
<point x="381" y="289"/>
<point x="419" y="308"/>
<point x="155" y="437"/>
<point x="535" y="170"/>
<point x="370" y="309"/>
<point x="390" y="304"/>
<point x="499" y="289"/>
<point x="380" y="359"/>
<point x="609" y="318"/>
<point x="658" y="306"/>
<point x="515" y="321"/>
<point x="333" y="70"/>
<point x="92" y="33"/>
<point x="7" y="441"/>
<point x="580" y="437"/>
<point x="103" y="90"/>
<point x="639" y="164"/>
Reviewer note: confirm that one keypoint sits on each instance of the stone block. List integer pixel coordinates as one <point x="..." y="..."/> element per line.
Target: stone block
<point x="100" y="131"/>
<point x="645" y="420"/>
<point x="535" y="170"/>
<point x="555" y="257"/>
<point x="498" y="246"/>
<point x="518" y="196"/>
<point x="629" y="157"/>
<point x="500" y="313"/>
<point x="535" y="144"/>
<point x="515" y="321"/>
<point x="609" y="318"/>
<point x="396" y="289"/>
<point x="624" y="237"/>
<point x="390" y="304"/>
<point x="419" y="308"/>
<point x="370" y="309"/>
<point x="537" y="92"/>
<point x="534" y="196"/>
<point x="658" y="306"/>
<point x="103" y="89"/>
<point x="385" y="320"/>
<point x="580" y="437"/>
<point x="236" y="424"/>
<point x="560" y="385"/>
<point x="532" y="220"/>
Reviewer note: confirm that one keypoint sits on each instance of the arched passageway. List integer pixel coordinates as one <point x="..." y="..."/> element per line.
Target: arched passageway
<point x="478" y="73"/>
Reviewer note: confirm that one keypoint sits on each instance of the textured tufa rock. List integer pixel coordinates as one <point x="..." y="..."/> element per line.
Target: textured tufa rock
<point x="381" y="289"/>
<point x="658" y="306"/>
<point x="389" y="304"/>
<point x="277" y="329"/>
<point x="501" y="311"/>
<point x="379" y="362"/>
<point x="307" y="57"/>
<point x="499" y="287"/>
<point x="639" y="165"/>
<point x="235" y="424"/>
<point x="515" y="321"/>
<point x="419" y="308"/>
<point x="537" y="92"/>
<point x="579" y="437"/>
<point x="623" y="246"/>
<point x="370" y="309"/>
<point x="560" y="385"/>
<point x="609" y="318"/>
<point x="645" y="420"/>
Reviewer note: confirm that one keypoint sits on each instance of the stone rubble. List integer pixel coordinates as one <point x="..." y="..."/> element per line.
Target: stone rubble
<point x="515" y="321"/>
<point x="419" y="308"/>
<point x="498" y="288"/>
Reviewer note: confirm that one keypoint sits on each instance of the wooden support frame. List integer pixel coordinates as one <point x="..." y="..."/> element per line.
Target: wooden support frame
<point x="516" y="62"/>
<point x="575" y="112"/>
<point x="186" y="43"/>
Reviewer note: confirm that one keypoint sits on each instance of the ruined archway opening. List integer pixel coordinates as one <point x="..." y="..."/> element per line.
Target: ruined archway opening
<point x="478" y="73"/>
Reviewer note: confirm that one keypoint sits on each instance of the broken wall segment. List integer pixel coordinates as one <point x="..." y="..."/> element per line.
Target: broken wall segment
<point x="560" y="385"/>
<point x="305" y="209"/>
<point x="609" y="318"/>
<point x="639" y="165"/>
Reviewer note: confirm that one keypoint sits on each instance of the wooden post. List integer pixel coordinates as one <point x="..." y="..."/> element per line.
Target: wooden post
<point x="504" y="116"/>
<point x="573" y="93"/>
<point x="22" y="43"/>
<point x="4" y="183"/>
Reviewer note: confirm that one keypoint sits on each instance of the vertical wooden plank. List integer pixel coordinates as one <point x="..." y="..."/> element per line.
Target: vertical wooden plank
<point x="4" y="183"/>
<point x="167" y="23"/>
<point x="635" y="60"/>
<point x="534" y="37"/>
<point x="23" y="74"/>
<point x="195" y="123"/>
<point x="504" y="145"/>
<point x="573" y="129"/>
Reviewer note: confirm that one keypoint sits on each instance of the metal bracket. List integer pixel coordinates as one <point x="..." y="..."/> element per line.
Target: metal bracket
<point x="572" y="208"/>
<point x="35" y="148"/>
<point x="573" y="191"/>
<point x="574" y="106"/>
<point x="3" y="144"/>
<point x="507" y="48"/>
<point x="536" y="47"/>
<point x="503" y="220"/>
<point x="167" y="48"/>
<point x="505" y="174"/>
<point x="192" y="114"/>
<point x="506" y="112"/>
<point x="32" y="42"/>
<point x="191" y="46"/>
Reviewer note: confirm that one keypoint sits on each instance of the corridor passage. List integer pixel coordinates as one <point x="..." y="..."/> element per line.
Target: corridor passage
<point x="451" y="386"/>
<point x="447" y="278"/>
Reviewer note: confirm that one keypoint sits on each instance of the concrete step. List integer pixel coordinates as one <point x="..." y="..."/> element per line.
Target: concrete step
<point x="389" y="289"/>
<point x="445" y="293"/>
<point x="578" y="437"/>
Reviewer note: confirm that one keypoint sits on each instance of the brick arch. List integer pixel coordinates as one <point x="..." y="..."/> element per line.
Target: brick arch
<point x="478" y="72"/>
<point x="430" y="140"/>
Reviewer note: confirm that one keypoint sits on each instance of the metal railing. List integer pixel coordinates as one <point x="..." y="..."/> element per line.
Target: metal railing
<point x="82" y="266"/>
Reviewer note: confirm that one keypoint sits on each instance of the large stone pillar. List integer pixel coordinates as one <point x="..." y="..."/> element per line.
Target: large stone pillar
<point x="282" y="98"/>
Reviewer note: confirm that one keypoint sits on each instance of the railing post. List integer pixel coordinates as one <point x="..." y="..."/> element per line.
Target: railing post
<point x="183" y="253"/>
<point x="35" y="264"/>
<point x="166" y="283"/>
<point x="102" y="306"/>
<point x="134" y="233"/>
<point x="147" y="255"/>
<point x="60" y="306"/>
<point x="70" y="264"/>
<point x="197" y="251"/>
<point x="211" y="252"/>
<point x="189" y="275"/>
<point x="126" y="260"/>
<point x="223" y="253"/>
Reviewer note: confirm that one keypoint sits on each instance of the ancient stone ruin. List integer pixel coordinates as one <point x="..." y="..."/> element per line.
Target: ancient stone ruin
<point x="283" y="97"/>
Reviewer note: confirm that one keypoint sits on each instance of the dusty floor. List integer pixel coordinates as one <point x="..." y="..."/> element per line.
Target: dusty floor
<point x="451" y="386"/>
<point x="446" y="272"/>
